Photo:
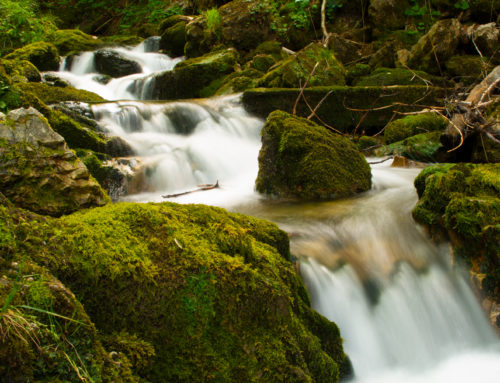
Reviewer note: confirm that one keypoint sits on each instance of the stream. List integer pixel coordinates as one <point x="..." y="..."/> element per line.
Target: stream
<point x="404" y="312"/>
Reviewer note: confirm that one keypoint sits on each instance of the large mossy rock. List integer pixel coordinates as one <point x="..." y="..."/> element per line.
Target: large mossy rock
<point x="114" y="64"/>
<point x="423" y="147"/>
<point x="343" y="107"/>
<point x="245" y="24"/>
<point x="294" y="71"/>
<point x="21" y="71"/>
<point x="190" y="77"/>
<point x="387" y="14"/>
<point x="173" y="39"/>
<point x="468" y="69"/>
<point x="464" y="200"/>
<point x="408" y="126"/>
<point x="43" y="55"/>
<point x="39" y="172"/>
<point x="214" y="293"/>
<point x="53" y="94"/>
<point x="70" y="41"/>
<point x="301" y="159"/>
<point x="436" y="46"/>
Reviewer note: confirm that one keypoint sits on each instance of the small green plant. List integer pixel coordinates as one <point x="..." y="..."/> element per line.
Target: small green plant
<point x="463" y="5"/>
<point x="213" y="19"/>
<point x="423" y="14"/>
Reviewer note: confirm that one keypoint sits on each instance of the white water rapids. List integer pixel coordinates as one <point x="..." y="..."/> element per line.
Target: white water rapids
<point x="405" y="314"/>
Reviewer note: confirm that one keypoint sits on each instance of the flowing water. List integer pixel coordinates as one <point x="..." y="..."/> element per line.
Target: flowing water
<point x="404" y="312"/>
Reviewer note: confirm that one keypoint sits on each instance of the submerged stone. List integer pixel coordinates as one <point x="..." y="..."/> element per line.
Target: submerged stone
<point x="301" y="159"/>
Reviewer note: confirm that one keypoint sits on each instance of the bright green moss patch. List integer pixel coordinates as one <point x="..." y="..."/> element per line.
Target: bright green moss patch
<point x="21" y="70"/>
<point x="301" y="159"/>
<point x="73" y="41"/>
<point x="424" y="147"/>
<point x="408" y="126"/>
<point x="53" y="94"/>
<point x="43" y="55"/>
<point x="213" y="293"/>
<point x="465" y="199"/>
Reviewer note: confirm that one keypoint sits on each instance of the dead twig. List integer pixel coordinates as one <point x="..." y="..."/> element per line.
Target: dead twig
<point x="301" y="93"/>
<point x="201" y="188"/>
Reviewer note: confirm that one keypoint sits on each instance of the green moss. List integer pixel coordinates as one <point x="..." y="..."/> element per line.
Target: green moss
<point x="190" y="77"/>
<point x="21" y="70"/>
<point x="397" y="76"/>
<point x="367" y="144"/>
<point x="53" y="94"/>
<point x="173" y="39"/>
<point x="214" y="293"/>
<point x="301" y="159"/>
<point x="423" y="147"/>
<point x="465" y="199"/>
<point x="10" y="96"/>
<point x="68" y="41"/>
<point x="408" y="126"/>
<point x="337" y="108"/>
<point x="43" y="55"/>
<point x="294" y="71"/>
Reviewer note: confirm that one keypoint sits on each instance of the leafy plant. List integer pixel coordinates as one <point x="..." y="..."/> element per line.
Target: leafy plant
<point x="462" y="5"/>
<point x="213" y="19"/>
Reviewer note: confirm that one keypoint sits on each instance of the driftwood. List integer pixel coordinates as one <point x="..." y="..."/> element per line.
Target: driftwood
<point x="200" y="188"/>
<point x="469" y="119"/>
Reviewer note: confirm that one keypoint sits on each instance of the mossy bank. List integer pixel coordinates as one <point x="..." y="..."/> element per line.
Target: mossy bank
<point x="213" y="293"/>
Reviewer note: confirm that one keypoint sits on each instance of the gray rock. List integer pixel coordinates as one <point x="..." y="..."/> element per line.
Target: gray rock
<point x="38" y="171"/>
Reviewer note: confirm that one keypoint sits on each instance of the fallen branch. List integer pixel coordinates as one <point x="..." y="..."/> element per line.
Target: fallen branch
<point x="301" y="94"/>
<point x="381" y="161"/>
<point x="201" y="188"/>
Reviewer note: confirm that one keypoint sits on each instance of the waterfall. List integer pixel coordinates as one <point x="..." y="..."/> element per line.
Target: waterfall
<point x="404" y="312"/>
<point x="80" y="72"/>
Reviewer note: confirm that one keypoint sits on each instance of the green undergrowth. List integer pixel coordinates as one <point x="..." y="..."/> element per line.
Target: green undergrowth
<point x="464" y="199"/>
<point x="214" y="293"/>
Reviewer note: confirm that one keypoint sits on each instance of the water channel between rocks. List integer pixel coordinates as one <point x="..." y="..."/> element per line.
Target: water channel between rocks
<point x="405" y="314"/>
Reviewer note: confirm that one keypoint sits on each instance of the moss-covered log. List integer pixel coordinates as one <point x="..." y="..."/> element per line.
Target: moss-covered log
<point x="337" y="109"/>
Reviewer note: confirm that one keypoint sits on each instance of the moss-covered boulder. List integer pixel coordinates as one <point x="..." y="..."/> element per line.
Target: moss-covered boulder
<point x="53" y="94"/>
<point x="43" y="55"/>
<point x="46" y="333"/>
<point x="468" y="69"/>
<point x="408" y="126"/>
<point x="436" y="46"/>
<point x="173" y="39"/>
<point x="245" y="24"/>
<point x="423" y="147"/>
<point x="301" y="159"/>
<point x="190" y="77"/>
<point x="214" y="293"/>
<point x="21" y="71"/>
<point x="464" y="200"/>
<point x="387" y="15"/>
<point x="69" y="41"/>
<point x="10" y="96"/>
<point x="366" y="109"/>
<point x="398" y="76"/>
<point x="294" y="71"/>
<point x="39" y="172"/>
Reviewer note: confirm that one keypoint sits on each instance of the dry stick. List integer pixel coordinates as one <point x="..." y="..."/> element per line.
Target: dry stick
<point x="381" y="161"/>
<point x="326" y="34"/>
<point x="202" y="188"/>
<point x="301" y="94"/>
<point x="313" y="113"/>
<point x="488" y="91"/>
<point x="320" y="120"/>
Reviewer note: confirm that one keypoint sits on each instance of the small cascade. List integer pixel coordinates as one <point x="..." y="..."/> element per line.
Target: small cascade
<point x="184" y="144"/>
<point x="405" y="314"/>
<point x="80" y="71"/>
